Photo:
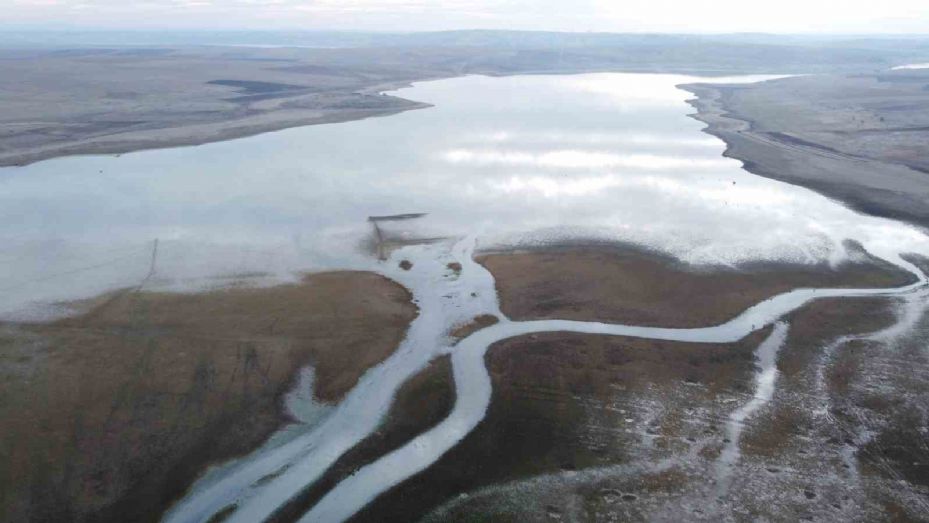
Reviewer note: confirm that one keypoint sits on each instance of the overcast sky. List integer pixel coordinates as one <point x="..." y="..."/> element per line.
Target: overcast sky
<point x="693" y="16"/>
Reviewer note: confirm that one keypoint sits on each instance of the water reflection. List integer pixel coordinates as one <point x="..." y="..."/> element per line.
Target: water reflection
<point x="516" y="160"/>
<point x="910" y="66"/>
<point x="579" y="159"/>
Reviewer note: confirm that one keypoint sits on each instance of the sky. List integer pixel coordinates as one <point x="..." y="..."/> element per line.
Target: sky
<point x="680" y="16"/>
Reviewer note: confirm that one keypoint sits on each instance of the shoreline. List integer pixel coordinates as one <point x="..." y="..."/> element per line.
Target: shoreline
<point x="791" y="160"/>
<point x="571" y="389"/>
<point x="212" y="132"/>
<point x="857" y="254"/>
<point x="653" y="264"/>
<point x="235" y="126"/>
<point x="173" y="384"/>
<point x="629" y="285"/>
<point x="771" y="155"/>
<point x="646" y="293"/>
<point x="387" y="476"/>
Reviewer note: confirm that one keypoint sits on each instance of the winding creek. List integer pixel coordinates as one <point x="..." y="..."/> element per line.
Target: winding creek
<point x="445" y="301"/>
<point x="473" y="387"/>
<point x="613" y="158"/>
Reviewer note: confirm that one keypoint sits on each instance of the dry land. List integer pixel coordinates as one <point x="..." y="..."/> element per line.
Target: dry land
<point x="599" y="428"/>
<point x="106" y="101"/>
<point x="633" y="286"/>
<point x="422" y="402"/>
<point x="96" y="99"/>
<point x="111" y="415"/>
<point x="862" y="139"/>
<point x="590" y="428"/>
<point x="564" y="403"/>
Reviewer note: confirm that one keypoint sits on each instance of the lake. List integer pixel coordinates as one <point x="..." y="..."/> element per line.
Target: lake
<point x="522" y="160"/>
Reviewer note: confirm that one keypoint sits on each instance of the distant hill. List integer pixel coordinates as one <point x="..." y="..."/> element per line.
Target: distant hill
<point x="545" y="50"/>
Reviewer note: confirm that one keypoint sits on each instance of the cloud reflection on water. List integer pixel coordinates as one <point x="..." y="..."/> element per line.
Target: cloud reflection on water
<point x="517" y="160"/>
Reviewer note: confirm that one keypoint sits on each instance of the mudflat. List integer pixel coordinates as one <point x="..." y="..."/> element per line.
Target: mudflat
<point x="112" y="414"/>
<point x="590" y="427"/>
<point x="565" y="403"/>
<point x="97" y="99"/>
<point x="422" y="402"/>
<point x="634" y="286"/>
<point x="585" y="427"/>
<point x="131" y="99"/>
<point x="862" y="139"/>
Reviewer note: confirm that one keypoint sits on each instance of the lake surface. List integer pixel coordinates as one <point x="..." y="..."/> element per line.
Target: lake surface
<point x="515" y="161"/>
<point x="911" y="66"/>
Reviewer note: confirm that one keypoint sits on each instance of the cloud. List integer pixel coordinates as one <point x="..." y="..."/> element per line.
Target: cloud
<point x="865" y="16"/>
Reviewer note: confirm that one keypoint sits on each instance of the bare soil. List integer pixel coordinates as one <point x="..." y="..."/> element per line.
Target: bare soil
<point x="111" y="415"/>
<point x="421" y="403"/>
<point x="579" y="425"/>
<point x="861" y="138"/>
<point x="477" y="323"/>
<point x="107" y="100"/>
<point x="563" y="402"/>
<point x="633" y="286"/>
<point x="576" y="421"/>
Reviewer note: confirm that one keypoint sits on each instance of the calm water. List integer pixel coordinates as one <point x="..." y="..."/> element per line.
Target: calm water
<point x="514" y="160"/>
<point x="911" y="66"/>
<point x="508" y="161"/>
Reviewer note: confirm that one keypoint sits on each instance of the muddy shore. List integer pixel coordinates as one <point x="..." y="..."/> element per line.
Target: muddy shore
<point x="545" y="416"/>
<point x="110" y="415"/>
<point x="113" y="413"/>
<point x="634" y="286"/>
<point x="422" y="402"/>
<point x="588" y="427"/>
<point x="569" y="404"/>
<point x="136" y="99"/>
<point x="109" y="100"/>
<point x="860" y="139"/>
<point x="200" y="133"/>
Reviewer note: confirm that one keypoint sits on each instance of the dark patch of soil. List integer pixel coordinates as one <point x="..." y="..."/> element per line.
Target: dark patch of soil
<point x="633" y="286"/>
<point x="421" y="403"/>
<point x="538" y="419"/>
<point x="117" y="411"/>
<point x="476" y="324"/>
